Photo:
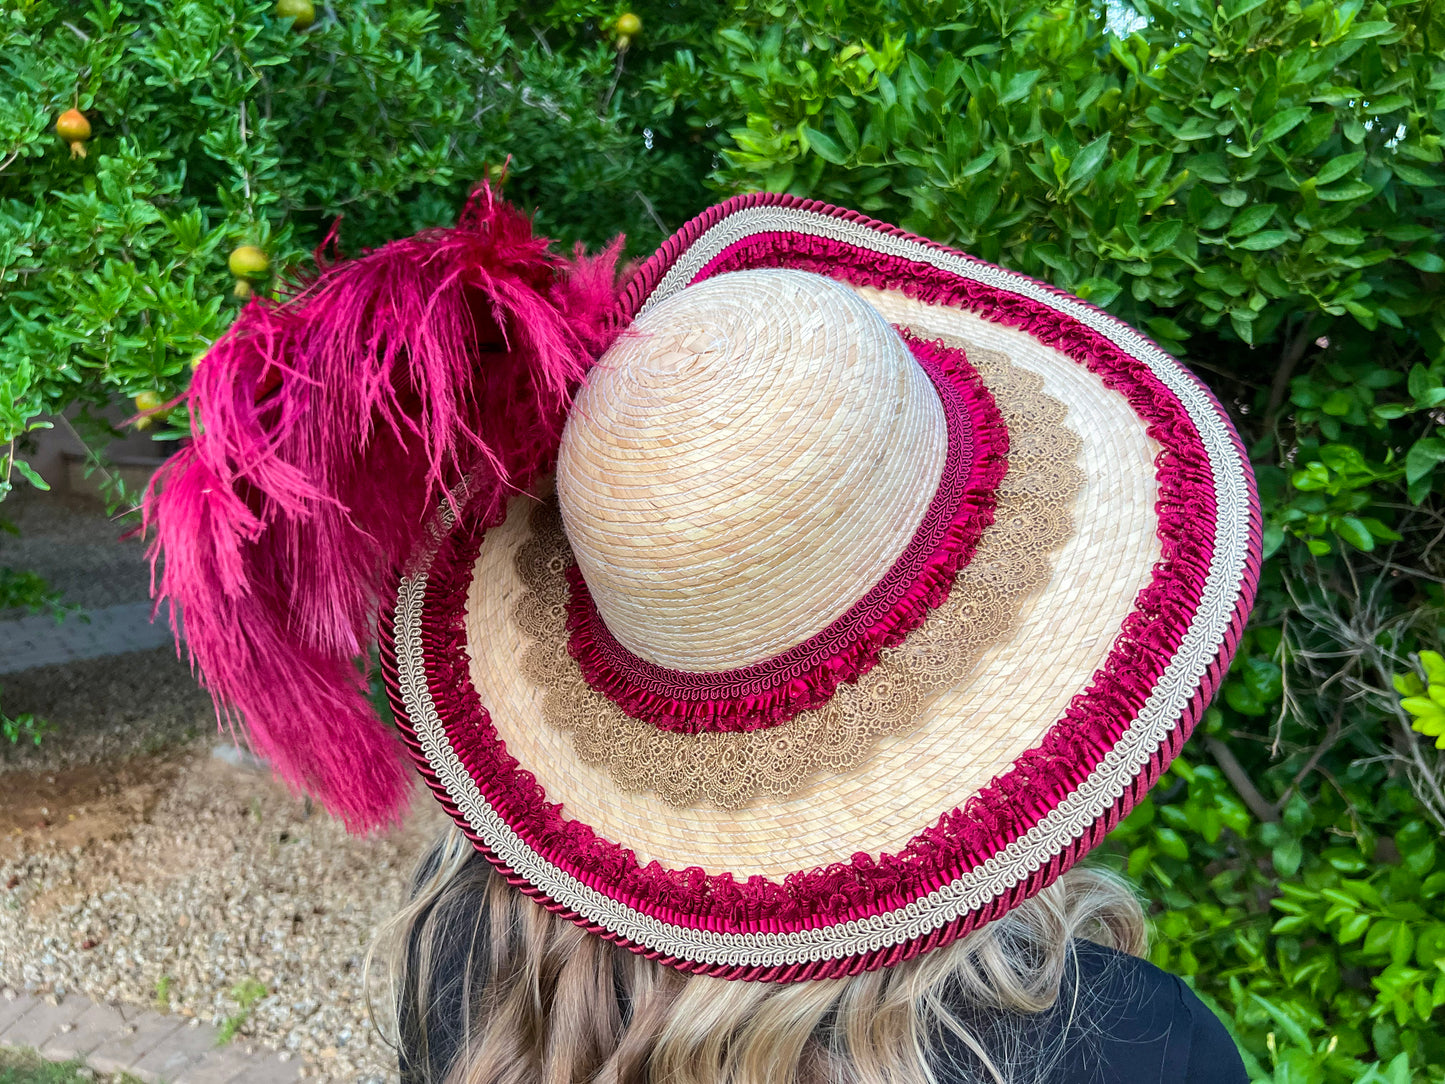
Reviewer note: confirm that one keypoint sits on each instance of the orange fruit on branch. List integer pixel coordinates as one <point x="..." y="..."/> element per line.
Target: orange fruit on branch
<point x="73" y="127"/>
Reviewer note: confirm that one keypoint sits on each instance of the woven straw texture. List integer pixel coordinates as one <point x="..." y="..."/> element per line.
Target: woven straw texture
<point x="964" y="736"/>
<point x="730" y="484"/>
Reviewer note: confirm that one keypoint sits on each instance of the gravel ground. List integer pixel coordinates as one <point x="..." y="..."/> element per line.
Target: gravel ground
<point x="68" y="539"/>
<point x="185" y="877"/>
<point x="105" y="710"/>
<point x="134" y="863"/>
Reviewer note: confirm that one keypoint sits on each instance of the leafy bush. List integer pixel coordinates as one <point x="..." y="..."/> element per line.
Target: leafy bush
<point x="216" y="124"/>
<point x="1257" y="183"/>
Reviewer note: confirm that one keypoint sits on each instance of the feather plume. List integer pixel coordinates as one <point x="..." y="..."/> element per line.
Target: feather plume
<point x="327" y="425"/>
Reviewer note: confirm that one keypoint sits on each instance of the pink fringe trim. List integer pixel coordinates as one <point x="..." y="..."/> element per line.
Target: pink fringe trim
<point x="806" y="676"/>
<point x="961" y="839"/>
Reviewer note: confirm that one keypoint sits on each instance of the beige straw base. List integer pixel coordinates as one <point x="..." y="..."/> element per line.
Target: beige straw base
<point x="966" y="736"/>
<point x="745" y="464"/>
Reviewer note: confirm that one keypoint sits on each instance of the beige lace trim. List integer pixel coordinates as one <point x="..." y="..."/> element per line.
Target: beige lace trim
<point x="1033" y="519"/>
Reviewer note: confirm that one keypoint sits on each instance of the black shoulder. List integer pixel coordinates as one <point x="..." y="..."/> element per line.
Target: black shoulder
<point x="1117" y="1019"/>
<point x="1148" y="1025"/>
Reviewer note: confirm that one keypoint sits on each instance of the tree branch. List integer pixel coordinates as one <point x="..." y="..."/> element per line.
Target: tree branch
<point x="1234" y="771"/>
<point x="1296" y="350"/>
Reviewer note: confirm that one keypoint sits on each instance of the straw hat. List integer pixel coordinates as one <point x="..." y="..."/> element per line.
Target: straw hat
<point x="863" y="588"/>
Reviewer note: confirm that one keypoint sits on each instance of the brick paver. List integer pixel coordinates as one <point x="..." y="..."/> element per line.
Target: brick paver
<point x="45" y="1020"/>
<point x="269" y="1070"/>
<point x="185" y="1050"/>
<point x="224" y="1066"/>
<point x="141" y="1036"/>
<point x="153" y="1047"/>
<point x="12" y="1009"/>
<point x="97" y="1024"/>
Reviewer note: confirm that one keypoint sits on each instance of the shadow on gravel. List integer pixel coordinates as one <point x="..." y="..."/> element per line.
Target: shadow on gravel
<point x="104" y="710"/>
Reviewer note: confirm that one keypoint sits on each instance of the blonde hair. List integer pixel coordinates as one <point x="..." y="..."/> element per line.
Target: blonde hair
<point x="544" y="1002"/>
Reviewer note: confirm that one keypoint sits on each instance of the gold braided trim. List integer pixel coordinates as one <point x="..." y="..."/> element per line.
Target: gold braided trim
<point x="1033" y="519"/>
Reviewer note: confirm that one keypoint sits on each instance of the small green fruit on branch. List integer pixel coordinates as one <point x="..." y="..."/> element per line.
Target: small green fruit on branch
<point x="247" y="262"/>
<point x="148" y="403"/>
<point x="627" y="27"/>
<point x="301" y="12"/>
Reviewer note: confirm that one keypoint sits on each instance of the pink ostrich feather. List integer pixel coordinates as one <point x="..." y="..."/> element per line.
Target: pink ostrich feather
<point x="327" y="425"/>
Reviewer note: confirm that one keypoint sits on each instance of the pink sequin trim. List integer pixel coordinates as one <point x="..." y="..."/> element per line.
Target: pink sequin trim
<point x="775" y="690"/>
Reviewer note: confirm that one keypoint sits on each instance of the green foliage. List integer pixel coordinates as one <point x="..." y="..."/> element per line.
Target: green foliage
<point x="28" y="1067"/>
<point x="1425" y="700"/>
<point x="245" y="994"/>
<point x="24" y="727"/>
<point x="162" y="999"/>
<point x="1256" y="183"/>
<point x="216" y="124"/>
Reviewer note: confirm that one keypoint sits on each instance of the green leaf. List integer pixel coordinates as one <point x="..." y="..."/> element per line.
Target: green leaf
<point x="1355" y="533"/>
<point x="1380" y="530"/>
<point x="1018" y="86"/>
<point x="1336" y="168"/>
<point x="1172" y="843"/>
<point x="825" y="146"/>
<point x="1210" y="167"/>
<point x="1348" y="190"/>
<point x="1251" y="219"/>
<point x="1236" y="8"/>
<point x="1281" y="123"/>
<point x="1433" y="663"/>
<point x="1354" y="926"/>
<point x="1414" y="175"/>
<point x="1425" y="261"/>
<point x="1265" y="239"/>
<point x="1388" y="104"/>
<point x="1423" y="456"/>
<point x="1423" y="707"/>
<point x="30" y="475"/>
<point x="1086" y="163"/>
<point x="847" y="130"/>
<point x="1408" y="231"/>
<point x="1287" y="857"/>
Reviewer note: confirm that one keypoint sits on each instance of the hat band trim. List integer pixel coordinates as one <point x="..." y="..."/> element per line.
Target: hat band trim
<point x="1017" y="834"/>
<point x="1034" y="509"/>
<point x="805" y="677"/>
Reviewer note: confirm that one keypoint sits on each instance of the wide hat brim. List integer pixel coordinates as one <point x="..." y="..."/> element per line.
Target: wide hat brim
<point x="1006" y="779"/>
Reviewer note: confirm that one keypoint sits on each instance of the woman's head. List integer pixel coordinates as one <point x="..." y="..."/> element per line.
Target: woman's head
<point x="491" y="988"/>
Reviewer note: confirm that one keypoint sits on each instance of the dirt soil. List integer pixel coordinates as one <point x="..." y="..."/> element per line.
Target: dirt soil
<point x="80" y="806"/>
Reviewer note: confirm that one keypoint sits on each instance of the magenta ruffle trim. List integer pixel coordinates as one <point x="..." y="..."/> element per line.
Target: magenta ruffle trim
<point x="960" y="840"/>
<point x="806" y="676"/>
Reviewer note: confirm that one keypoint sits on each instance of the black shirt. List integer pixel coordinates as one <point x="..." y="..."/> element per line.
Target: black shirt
<point x="1124" y="1021"/>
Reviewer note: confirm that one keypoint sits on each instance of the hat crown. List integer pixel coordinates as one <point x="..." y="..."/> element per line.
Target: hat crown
<point x="744" y="465"/>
